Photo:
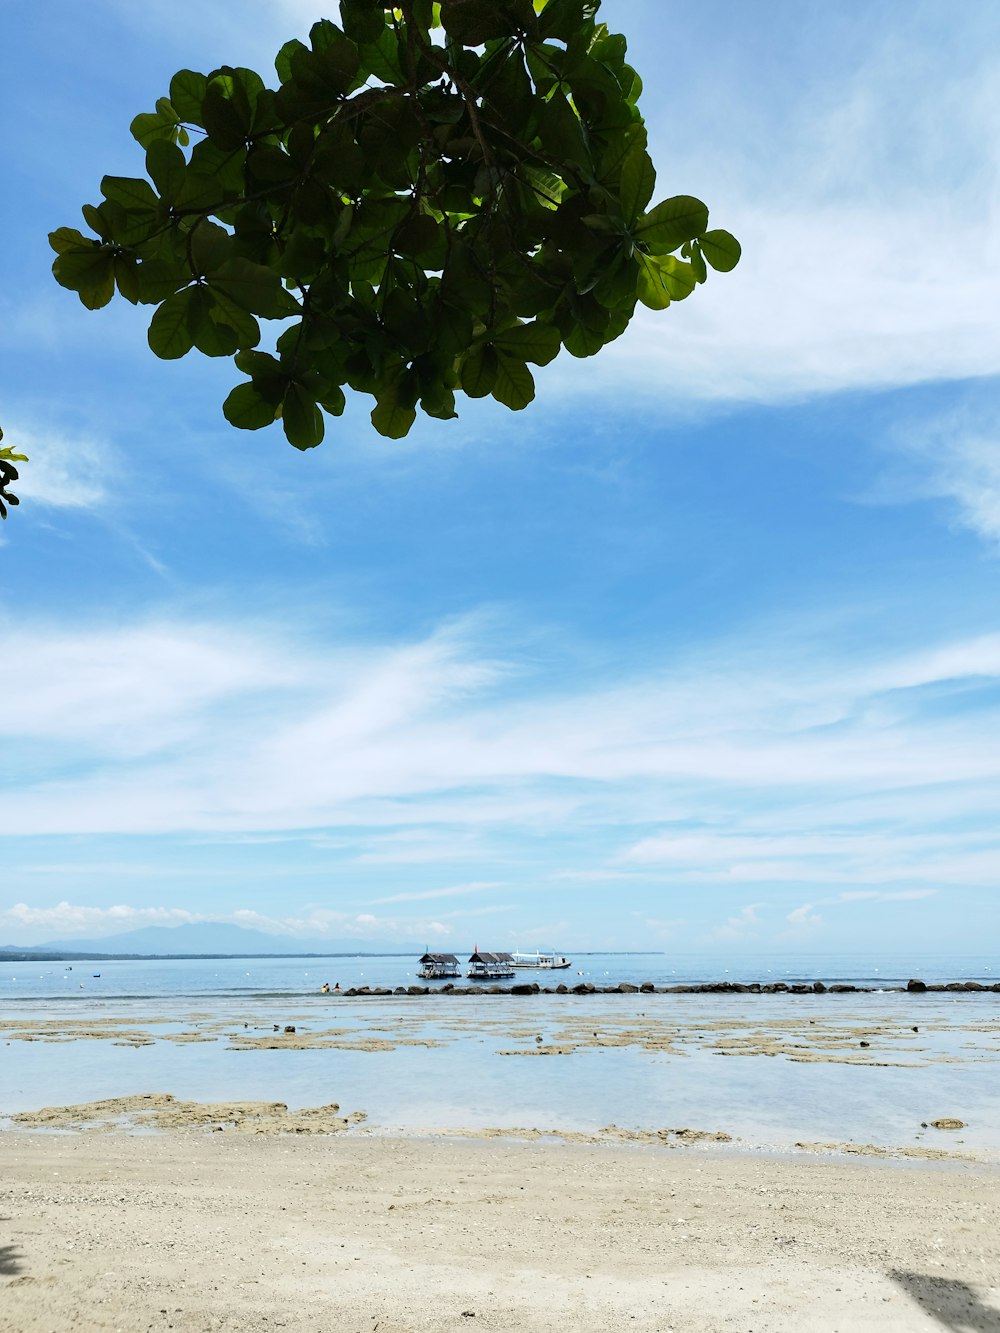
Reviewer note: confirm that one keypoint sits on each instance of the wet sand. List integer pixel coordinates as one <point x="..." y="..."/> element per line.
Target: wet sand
<point x="200" y="1230"/>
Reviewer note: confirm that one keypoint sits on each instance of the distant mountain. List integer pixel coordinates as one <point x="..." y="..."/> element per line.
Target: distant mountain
<point x="208" y="938"/>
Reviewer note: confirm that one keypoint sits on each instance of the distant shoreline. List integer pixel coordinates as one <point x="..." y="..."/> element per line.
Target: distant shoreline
<point x="63" y="956"/>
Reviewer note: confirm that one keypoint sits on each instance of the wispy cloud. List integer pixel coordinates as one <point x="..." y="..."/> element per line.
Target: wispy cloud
<point x="869" y="232"/>
<point x="802" y="921"/>
<point x="454" y="891"/>
<point x="77" y="921"/>
<point x="743" y="925"/>
<point x="953" y="457"/>
<point x="63" y="471"/>
<point x="750" y="762"/>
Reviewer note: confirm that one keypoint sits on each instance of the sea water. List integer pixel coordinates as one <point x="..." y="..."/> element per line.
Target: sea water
<point x="176" y="978"/>
<point x="463" y="1079"/>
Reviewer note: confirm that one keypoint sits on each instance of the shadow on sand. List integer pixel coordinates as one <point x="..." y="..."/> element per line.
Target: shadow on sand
<point x="955" y="1305"/>
<point x="10" y="1260"/>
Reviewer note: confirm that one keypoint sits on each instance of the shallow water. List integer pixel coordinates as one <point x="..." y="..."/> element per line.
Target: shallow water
<point x="638" y="1061"/>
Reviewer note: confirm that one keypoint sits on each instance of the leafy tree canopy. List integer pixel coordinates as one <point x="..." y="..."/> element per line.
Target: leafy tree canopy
<point x="434" y="197"/>
<point x="8" y="473"/>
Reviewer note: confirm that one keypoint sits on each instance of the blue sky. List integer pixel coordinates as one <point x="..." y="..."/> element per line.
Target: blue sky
<point x="701" y="652"/>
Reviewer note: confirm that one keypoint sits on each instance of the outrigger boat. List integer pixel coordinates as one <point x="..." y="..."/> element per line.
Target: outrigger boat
<point x="549" y="961"/>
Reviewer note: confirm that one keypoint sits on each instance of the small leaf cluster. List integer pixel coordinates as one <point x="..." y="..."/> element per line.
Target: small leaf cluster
<point x="434" y="198"/>
<point x="8" y="473"/>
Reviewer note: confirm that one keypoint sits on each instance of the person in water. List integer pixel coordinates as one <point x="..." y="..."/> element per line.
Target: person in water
<point x="325" y="988"/>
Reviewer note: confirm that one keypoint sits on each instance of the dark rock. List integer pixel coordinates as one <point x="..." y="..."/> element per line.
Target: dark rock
<point x="842" y="989"/>
<point x="864" y="1043"/>
<point x="523" y="989"/>
<point x="755" y="988"/>
<point x="583" y="988"/>
<point x="400" y="990"/>
<point x="289" y="1027"/>
<point x="417" y="990"/>
<point x="562" y="988"/>
<point x="447" y="989"/>
<point x="647" y="988"/>
<point x="626" y="988"/>
<point x="914" y="985"/>
<point x="819" y="988"/>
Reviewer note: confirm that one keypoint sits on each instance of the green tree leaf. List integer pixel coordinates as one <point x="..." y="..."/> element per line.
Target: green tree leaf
<point x="133" y="194"/>
<point x="172" y="328"/>
<point x="167" y="166"/>
<point x="638" y="183"/>
<point x="514" y="385"/>
<point x="187" y="92"/>
<point x="536" y="342"/>
<point x="720" y="249"/>
<point x="301" y="418"/>
<point x="253" y="287"/>
<point x="671" y="223"/>
<point x="479" y="371"/>
<point x="248" y="409"/>
<point x="89" y="273"/>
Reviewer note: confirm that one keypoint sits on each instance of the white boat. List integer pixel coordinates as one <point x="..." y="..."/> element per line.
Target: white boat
<point x="549" y="961"/>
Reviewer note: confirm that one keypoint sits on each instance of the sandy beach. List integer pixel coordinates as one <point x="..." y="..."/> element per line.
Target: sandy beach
<point x="193" y="1230"/>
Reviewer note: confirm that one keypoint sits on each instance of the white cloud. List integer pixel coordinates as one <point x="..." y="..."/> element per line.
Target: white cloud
<point x="135" y="690"/>
<point x="865" y="197"/>
<point x="454" y="891"/>
<point x="63" y="471"/>
<point x="804" y="920"/>
<point x="877" y="896"/>
<point x="743" y="925"/>
<point x="71" y="919"/>
<point x="953" y="457"/>
<point x="65" y="920"/>
<point x="736" y="767"/>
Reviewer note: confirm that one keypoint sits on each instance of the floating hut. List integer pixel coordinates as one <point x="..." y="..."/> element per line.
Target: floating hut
<point x="490" y="966"/>
<point x="436" y="965"/>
